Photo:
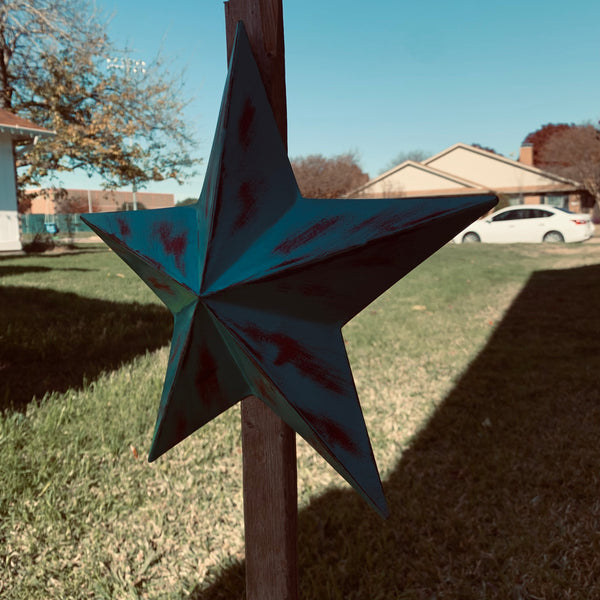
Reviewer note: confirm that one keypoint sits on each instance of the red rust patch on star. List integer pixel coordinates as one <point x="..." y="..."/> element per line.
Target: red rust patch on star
<point x="206" y="381"/>
<point x="245" y="123"/>
<point x="161" y="286"/>
<point x="331" y="432"/>
<point x="290" y="351"/>
<point x="172" y="243"/>
<point x="124" y="228"/>
<point x="306" y="236"/>
<point x="248" y="203"/>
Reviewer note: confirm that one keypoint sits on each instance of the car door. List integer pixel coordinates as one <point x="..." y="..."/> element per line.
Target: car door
<point x="503" y="227"/>
<point x="537" y="224"/>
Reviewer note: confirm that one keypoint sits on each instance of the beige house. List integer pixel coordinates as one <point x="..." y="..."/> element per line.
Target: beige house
<point x="463" y="169"/>
<point x="13" y="130"/>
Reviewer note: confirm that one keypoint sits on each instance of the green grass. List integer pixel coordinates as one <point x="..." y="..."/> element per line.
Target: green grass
<point x="67" y="318"/>
<point x="478" y="379"/>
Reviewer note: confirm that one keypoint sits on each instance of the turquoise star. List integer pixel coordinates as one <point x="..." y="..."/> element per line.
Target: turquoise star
<point x="260" y="282"/>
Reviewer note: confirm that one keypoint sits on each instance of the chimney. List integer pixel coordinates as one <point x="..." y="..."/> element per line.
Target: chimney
<point x="526" y="154"/>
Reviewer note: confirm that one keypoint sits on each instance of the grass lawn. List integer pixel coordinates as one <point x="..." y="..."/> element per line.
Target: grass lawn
<point x="478" y="377"/>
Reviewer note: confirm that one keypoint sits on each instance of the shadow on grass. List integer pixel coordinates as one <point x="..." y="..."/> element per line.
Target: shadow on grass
<point x="499" y="495"/>
<point x="9" y="270"/>
<point x="52" y="341"/>
<point x="60" y="252"/>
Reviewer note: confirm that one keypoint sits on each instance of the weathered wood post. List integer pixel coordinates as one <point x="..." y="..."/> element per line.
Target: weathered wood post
<point x="269" y="445"/>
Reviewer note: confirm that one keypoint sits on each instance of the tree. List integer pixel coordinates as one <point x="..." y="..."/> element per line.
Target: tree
<point x="574" y="152"/>
<point x="541" y="136"/>
<point x="486" y="148"/>
<point x="188" y="201"/>
<point x="414" y="155"/>
<point x="69" y="206"/>
<point x="66" y="204"/>
<point x="320" y="177"/>
<point x="121" y="124"/>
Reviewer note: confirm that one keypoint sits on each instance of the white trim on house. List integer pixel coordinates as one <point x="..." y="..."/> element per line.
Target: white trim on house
<point x="20" y="133"/>
<point x="21" y="129"/>
<point x="438" y="180"/>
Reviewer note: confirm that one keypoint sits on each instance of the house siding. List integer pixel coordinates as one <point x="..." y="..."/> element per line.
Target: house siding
<point x="488" y="171"/>
<point x="9" y="221"/>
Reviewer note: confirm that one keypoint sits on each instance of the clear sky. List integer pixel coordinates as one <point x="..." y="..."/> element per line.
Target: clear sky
<point x="386" y="77"/>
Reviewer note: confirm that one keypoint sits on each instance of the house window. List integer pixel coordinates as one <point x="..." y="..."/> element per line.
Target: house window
<point x="557" y="200"/>
<point x="514" y="199"/>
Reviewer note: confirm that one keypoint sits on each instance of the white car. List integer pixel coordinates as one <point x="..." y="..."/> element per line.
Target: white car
<point x="532" y="223"/>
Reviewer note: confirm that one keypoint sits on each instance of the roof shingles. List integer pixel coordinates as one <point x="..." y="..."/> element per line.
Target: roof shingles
<point x="19" y="127"/>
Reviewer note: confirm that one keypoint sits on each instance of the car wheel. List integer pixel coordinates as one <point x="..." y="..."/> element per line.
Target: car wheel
<point x="554" y="237"/>
<point x="471" y="238"/>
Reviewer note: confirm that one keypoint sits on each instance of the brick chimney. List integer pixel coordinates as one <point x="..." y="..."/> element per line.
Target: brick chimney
<point x="526" y="154"/>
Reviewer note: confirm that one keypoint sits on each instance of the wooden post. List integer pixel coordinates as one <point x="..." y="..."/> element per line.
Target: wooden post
<point x="269" y="445"/>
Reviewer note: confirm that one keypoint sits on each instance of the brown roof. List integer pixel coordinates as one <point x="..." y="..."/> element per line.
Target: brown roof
<point x="18" y="127"/>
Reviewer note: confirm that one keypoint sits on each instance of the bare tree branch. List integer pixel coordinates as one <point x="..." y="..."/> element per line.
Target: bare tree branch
<point x="416" y="155"/>
<point x="574" y="152"/>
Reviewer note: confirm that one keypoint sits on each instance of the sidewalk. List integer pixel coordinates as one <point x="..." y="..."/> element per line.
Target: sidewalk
<point x="92" y="239"/>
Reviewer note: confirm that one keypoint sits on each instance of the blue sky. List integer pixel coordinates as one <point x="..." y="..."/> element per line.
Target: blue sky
<point x="387" y="76"/>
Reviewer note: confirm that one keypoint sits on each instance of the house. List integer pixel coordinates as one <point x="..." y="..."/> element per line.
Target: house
<point x="44" y="201"/>
<point x="13" y="129"/>
<point x="59" y="209"/>
<point x="464" y="169"/>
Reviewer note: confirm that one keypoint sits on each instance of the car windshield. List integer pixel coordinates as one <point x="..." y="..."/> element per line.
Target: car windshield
<point x="565" y="210"/>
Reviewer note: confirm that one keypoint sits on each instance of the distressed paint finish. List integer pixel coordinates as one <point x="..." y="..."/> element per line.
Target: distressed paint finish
<point x="260" y="281"/>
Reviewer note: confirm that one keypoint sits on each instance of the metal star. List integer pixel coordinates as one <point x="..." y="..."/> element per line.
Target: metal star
<point x="260" y="282"/>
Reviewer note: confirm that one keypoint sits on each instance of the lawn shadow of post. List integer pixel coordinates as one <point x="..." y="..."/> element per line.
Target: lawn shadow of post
<point x="52" y="341"/>
<point x="497" y="496"/>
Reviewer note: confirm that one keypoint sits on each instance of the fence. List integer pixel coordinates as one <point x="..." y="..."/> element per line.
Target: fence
<point x="65" y="224"/>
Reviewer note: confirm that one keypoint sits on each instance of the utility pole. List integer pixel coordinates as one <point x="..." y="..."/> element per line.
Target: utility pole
<point x="129" y="66"/>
